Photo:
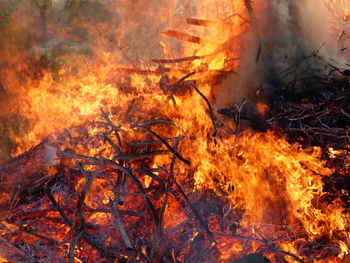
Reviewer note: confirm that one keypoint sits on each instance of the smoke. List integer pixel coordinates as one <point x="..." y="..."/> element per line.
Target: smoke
<point x="293" y="45"/>
<point x="295" y="30"/>
<point x="305" y="34"/>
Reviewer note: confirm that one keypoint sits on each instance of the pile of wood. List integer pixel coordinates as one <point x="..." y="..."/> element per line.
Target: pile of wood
<point x="66" y="205"/>
<point x="115" y="206"/>
<point x="102" y="200"/>
<point x="321" y="121"/>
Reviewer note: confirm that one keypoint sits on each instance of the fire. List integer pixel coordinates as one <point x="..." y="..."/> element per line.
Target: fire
<point x="274" y="182"/>
<point x="272" y="189"/>
<point x="76" y="91"/>
<point x="262" y="108"/>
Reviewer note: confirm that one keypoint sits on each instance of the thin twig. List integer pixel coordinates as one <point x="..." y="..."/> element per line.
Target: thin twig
<point x="89" y="177"/>
<point x="144" y="143"/>
<point x="138" y="184"/>
<point x="150" y="174"/>
<point x="72" y="247"/>
<point x="32" y="232"/>
<point x="77" y="156"/>
<point x="271" y="246"/>
<point x="29" y="258"/>
<point x="180" y="81"/>
<point x="171" y="149"/>
<point x="58" y="207"/>
<point x="208" y="104"/>
<point x="176" y="60"/>
<point x="118" y="223"/>
<point x="157" y="122"/>
<point x="99" y="247"/>
<point x="194" y="210"/>
<point x="114" y="146"/>
<point x="141" y="155"/>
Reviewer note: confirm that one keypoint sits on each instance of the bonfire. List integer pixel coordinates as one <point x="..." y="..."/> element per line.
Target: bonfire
<point x="182" y="131"/>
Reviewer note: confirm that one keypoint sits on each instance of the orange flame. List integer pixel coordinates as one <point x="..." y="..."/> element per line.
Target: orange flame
<point x="271" y="181"/>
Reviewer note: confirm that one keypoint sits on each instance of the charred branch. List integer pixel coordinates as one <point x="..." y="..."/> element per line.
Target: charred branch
<point x="145" y="143"/>
<point x="171" y="149"/>
<point x="212" y="117"/>
<point x="72" y="247"/>
<point x="139" y="185"/>
<point x="58" y="207"/>
<point x="119" y="224"/>
<point x="176" y="60"/>
<point x="272" y="247"/>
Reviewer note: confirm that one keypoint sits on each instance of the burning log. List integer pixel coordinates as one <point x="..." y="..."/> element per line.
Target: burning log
<point x="177" y="60"/>
<point x="183" y="36"/>
<point x="118" y="223"/>
<point x="29" y="164"/>
<point x="27" y="172"/>
<point x="205" y="23"/>
<point x="141" y="71"/>
<point x="72" y="212"/>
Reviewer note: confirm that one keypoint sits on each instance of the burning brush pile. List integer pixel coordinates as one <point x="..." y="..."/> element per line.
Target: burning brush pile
<point x="234" y="147"/>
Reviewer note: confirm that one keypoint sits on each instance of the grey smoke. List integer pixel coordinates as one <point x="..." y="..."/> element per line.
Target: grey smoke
<point x="301" y="37"/>
<point x="299" y="50"/>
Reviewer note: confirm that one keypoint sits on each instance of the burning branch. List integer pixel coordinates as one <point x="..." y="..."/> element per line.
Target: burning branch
<point x="118" y="222"/>
<point x="171" y="149"/>
<point x="207" y="102"/>
<point x="270" y="245"/>
<point x="177" y="60"/>
<point x="72" y="246"/>
<point x="183" y="36"/>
